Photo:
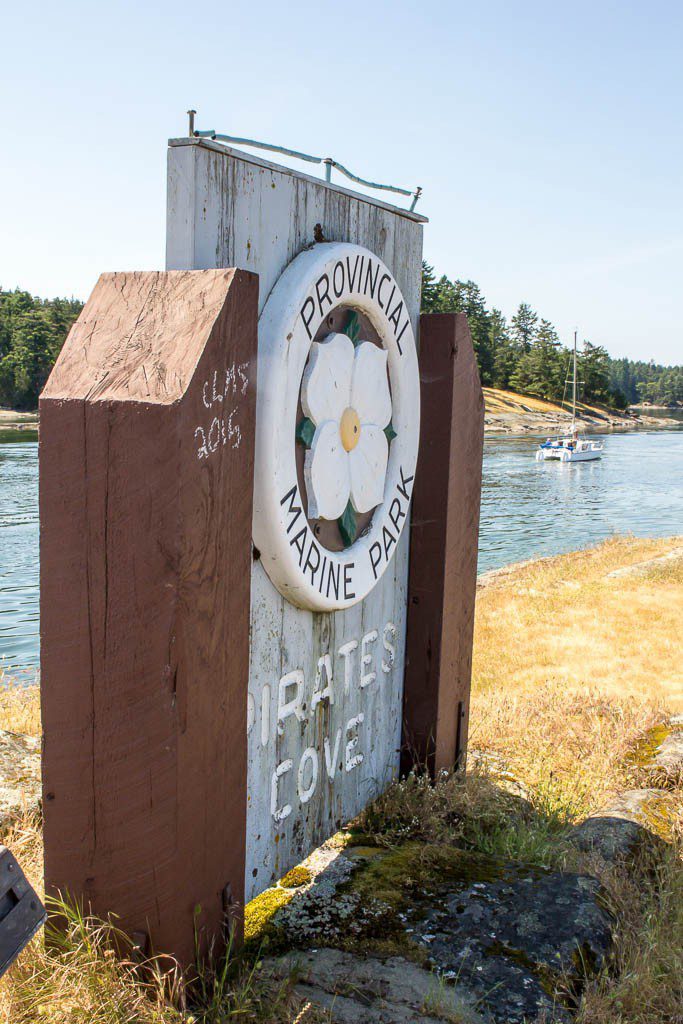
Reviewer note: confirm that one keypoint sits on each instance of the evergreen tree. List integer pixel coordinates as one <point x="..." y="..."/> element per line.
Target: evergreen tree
<point x="502" y="350"/>
<point x="524" y="326"/>
<point x="470" y="301"/>
<point x="430" y="290"/>
<point x="526" y="355"/>
<point x="546" y="363"/>
<point x="593" y="369"/>
<point x="32" y="332"/>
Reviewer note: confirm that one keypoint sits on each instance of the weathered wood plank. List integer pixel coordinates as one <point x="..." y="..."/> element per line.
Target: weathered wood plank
<point x="146" y="439"/>
<point x="444" y="541"/>
<point x="227" y="209"/>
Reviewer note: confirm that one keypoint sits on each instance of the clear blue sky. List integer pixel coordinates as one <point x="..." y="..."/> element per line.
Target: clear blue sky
<point x="547" y="137"/>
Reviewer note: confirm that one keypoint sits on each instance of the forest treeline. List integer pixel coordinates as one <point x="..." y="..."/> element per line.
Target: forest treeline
<point x="32" y="332"/>
<point x="524" y="354"/>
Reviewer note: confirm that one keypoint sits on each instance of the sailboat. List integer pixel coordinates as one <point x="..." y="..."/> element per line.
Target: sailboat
<point x="571" y="448"/>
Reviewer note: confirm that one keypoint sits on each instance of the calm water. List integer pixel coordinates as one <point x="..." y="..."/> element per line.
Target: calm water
<point x="528" y="509"/>
<point x="531" y="508"/>
<point x="18" y="549"/>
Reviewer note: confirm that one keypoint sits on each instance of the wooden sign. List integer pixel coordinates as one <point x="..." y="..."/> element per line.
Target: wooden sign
<point x="235" y="650"/>
<point x="329" y="609"/>
<point x="146" y="462"/>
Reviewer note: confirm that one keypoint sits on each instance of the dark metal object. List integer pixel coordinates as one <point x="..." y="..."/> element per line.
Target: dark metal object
<point x="459" y="737"/>
<point x="21" y="912"/>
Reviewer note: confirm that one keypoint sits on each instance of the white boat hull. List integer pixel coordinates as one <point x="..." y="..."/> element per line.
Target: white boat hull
<point x="566" y="455"/>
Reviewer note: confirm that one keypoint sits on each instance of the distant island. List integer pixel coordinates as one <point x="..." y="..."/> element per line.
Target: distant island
<point x="524" y="356"/>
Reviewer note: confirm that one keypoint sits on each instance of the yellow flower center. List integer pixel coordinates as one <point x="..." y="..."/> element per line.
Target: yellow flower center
<point x="349" y="429"/>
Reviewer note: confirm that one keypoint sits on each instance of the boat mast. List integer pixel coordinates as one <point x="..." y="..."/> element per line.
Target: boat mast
<point x="574" y="389"/>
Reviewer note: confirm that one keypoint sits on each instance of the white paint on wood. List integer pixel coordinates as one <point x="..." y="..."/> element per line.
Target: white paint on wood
<point x="227" y="210"/>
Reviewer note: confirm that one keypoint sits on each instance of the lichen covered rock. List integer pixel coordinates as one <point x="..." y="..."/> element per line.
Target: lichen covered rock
<point x="512" y="942"/>
<point x="612" y="838"/>
<point x="373" y="990"/>
<point x="328" y="912"/>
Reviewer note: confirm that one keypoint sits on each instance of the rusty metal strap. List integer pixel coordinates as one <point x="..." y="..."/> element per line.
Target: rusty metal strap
<point x="327" y="160"/>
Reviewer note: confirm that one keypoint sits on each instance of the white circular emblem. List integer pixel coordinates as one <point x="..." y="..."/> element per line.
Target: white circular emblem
<point x="337" y="431"/>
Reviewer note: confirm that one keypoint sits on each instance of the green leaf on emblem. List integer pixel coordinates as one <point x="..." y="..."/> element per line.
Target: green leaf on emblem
<point x="305" y="430"/>
<point x="389" y="431"/>
<point x="347" y="525"/>
<point x="352" y="328"/>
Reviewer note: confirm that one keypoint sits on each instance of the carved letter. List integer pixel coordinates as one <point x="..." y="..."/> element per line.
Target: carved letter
<point x="306" y="792"/>
<point x="285" y="707"/>
<point x="366" y="659"/>
<point x="353" y="762"/>
<point x="279" y="813"/>
<point x="345" y="651"/>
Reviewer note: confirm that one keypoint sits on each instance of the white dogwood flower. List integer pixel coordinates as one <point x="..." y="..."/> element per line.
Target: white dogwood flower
<point x="345" y="392"/>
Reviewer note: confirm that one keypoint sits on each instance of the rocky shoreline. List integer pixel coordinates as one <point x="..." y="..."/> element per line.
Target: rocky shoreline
<point x="521" y="416"/>
<point x="12" y="420"/>
<point x="523" y="419"/>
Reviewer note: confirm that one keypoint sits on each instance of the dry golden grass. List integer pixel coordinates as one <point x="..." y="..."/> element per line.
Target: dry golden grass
<point x="644" y="984"/>
<point x="567" y="749"/>
<point x="570" y="669"/>
<point x="498" y="400"/>
<point x="8" y="417"/>
<point x="565" y="621"/>
<point x="78" y="978"/>
<point x="572" y="665"/>
<point x="19" y="707"/>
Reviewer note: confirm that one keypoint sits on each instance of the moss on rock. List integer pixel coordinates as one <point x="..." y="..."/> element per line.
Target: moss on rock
<point x="297" y="877"/>
<point x="645" y="750"/>
<point x="258" y="917"/>
<point x="409" y="872"/>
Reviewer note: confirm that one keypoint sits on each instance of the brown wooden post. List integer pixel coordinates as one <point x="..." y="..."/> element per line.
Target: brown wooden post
<point x="146" y="470"/>
<point x="443" y="547"/>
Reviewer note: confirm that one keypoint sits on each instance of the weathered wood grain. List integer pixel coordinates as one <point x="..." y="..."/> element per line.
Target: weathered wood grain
<point x="228" y="209"/>
<point x="145" y="559"/>
<point x="444" y="541"/>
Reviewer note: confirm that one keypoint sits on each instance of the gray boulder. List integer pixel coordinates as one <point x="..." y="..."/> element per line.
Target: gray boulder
<point x="373" y="990"/>
<point x="515" y="943"/>
<point x="627" y="827"/>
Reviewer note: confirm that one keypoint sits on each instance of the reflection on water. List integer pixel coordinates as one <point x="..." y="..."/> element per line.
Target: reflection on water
<point x="528" y="509"/>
